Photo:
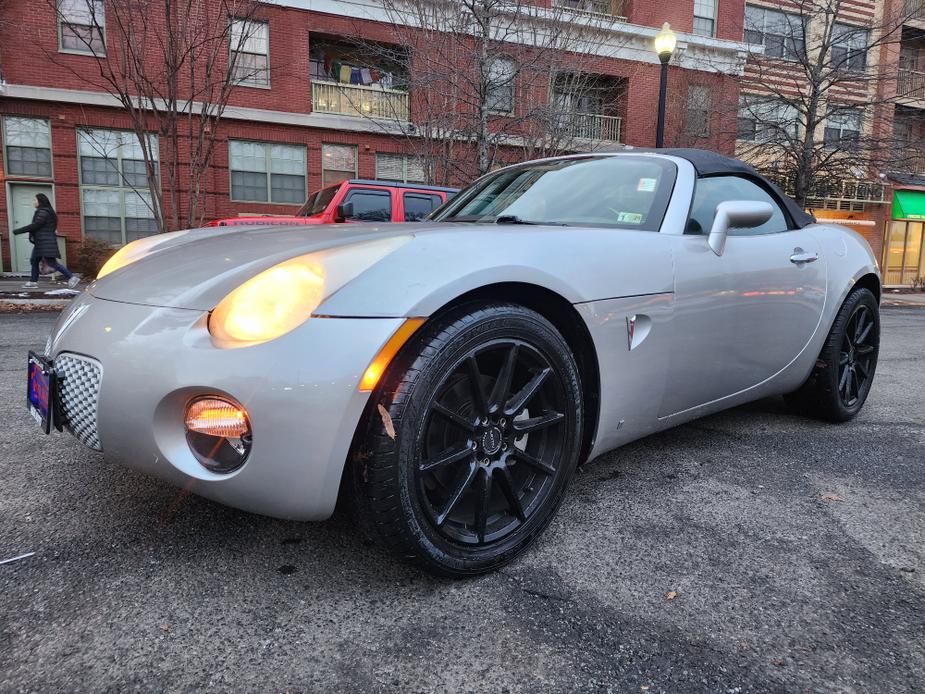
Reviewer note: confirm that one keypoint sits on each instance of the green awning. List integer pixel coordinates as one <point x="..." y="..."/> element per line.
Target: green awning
<point x="908" y="204"/>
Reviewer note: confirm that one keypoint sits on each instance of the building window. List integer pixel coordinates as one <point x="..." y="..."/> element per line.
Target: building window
<point x="842" y="126"/>
<point x="399" y="167"/>
<point x="500" y="94"/>
<point x="698" y="110"/>
<point x="116" y="204"/>
<point x="338" y="163"/>
<point x="264" y="172"/>
<point x="250" y="52"/>
<point x="782" y="34"/>
<point x="849" y="47"/>
<point x="705" y="17"/>
<point x="82" y="26"/>
<point x="27" y="143"/>
<point x="766" y="120"/>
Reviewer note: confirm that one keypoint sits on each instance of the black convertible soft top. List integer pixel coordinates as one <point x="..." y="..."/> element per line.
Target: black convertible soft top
<point x="708" y="163"/>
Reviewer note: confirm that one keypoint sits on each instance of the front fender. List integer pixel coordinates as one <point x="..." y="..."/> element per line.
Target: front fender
<point x="580" y="265"/>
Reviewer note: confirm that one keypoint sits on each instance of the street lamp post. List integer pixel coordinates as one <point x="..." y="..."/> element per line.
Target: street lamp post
<point x="665" y="42"/>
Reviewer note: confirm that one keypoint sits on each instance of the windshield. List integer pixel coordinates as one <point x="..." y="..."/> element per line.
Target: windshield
<point x="318" y="201"/>
<point x="610" y="191"/>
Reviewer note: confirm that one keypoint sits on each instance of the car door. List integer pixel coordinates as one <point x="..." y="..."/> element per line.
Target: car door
<point x="418" y="205"/>
<point x="743" y="316"/>
<point x="370" y="204"/>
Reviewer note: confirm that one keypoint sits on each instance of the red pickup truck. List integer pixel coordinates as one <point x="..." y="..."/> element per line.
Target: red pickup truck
<point x="356" y="200"/>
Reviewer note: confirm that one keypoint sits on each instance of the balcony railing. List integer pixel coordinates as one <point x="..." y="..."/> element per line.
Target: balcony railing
<point x="911" y="84"/>
<point x="914" y="10"/>
<point x="358" y="100"/>
<point x="591" y="126"/>
<point x="610" y="9"/>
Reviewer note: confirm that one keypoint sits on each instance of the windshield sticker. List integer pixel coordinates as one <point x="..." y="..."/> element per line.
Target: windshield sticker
<point x="646" y="185"/>
<point x="629" y="217"/>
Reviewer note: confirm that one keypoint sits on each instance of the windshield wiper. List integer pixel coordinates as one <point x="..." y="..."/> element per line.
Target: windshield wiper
<point x="463" y="218"/>
<point x="514" y="219"/>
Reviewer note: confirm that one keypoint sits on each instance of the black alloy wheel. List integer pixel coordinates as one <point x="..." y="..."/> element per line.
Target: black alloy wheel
<point x="841" y="380"/>
<point x="491" y="443"/>
<point x="858" y="356"/>
<point x="486" y="408"/>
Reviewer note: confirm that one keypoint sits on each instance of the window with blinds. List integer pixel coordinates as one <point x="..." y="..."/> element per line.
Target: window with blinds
<point x="705" y="17"/>
<point x="116" y="203"/>
<point x="27" y="146"/>
<point x="250" y="52"/>
<point x="265" y="172"/>
<point x="400" y="167"/>
<point x="82" y="26"/>
<point x="338" y="163"/>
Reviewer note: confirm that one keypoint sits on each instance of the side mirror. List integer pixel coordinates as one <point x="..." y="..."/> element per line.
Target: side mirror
<point x="736" y="214"/>
<point x="343" y="212"/>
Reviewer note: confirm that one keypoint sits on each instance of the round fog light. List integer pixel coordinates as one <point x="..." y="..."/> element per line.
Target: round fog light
<point x="218" y="432"/>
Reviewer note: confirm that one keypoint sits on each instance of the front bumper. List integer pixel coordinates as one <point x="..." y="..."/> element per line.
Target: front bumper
<point x="300" y="393"/>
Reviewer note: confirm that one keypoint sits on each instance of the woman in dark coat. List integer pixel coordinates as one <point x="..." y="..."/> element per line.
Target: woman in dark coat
<point x="45" y="242"/>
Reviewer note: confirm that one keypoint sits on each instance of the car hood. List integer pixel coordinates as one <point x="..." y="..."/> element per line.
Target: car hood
<point x="196" y="269"/>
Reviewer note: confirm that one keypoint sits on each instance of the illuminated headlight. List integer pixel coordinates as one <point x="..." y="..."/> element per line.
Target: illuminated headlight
<point x="218" y="433"/>
<point x="283" y="297"/>
<point x="136" y="250"/>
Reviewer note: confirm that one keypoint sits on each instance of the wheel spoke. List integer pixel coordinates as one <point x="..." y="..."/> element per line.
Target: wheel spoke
<point x="454" y="417"/>
<point x="533" y="462"/>
<point x="863" y="335"/>
<point x="520" y="400"/>
<point x="447" y="457"/>
<point x="843" y="358"/>
<point x="483" y="489"/>
<point x="864" y="350"/>
<point x="862" y="368"/>
<point x="852" y="386"/>
<point x="843" y="381"/>
<point x="475" y="384"/>
<point x="860" y="319"/>
<point x="527" y="426"/>
<point x="502" y="387"/>
<point x="507" y="488"/>
<point x="461" y="483"/>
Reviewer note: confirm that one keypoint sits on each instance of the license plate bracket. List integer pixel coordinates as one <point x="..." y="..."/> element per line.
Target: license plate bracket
<point x="41" y="390"/>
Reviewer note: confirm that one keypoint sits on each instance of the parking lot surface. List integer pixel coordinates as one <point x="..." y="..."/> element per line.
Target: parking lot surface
<point x="752" y="551"/>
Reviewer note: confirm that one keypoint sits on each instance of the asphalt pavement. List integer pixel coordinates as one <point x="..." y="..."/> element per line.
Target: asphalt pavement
<point x="752" y="551"/>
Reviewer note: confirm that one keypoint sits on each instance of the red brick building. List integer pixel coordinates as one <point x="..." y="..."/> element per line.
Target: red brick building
<point x="290" y="131"/>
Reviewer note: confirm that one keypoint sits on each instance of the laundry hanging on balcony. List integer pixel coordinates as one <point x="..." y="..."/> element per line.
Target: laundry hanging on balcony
<point x="345" y="72"/>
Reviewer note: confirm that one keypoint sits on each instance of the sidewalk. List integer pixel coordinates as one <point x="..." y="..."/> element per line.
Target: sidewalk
<point x="49" y="296"/>
<point x="906" y="300"/>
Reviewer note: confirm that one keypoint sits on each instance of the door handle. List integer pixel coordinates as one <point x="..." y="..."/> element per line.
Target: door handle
<point x="800" y="257"/>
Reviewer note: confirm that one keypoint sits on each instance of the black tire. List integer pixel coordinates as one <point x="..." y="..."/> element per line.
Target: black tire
<point x="413" y="497"/>
<point x="840" y="382"/>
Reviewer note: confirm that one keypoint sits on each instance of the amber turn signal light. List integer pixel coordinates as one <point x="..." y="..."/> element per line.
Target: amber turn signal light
<point x="378" y="365"/>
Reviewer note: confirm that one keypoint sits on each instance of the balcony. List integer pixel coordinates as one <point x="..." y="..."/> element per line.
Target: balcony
<point x="359" y="100"/>
<point x="607" y="9"/>
<point x="591" y="126"/>
<point x="910" y="85"/>
<point x="915" y="11"/>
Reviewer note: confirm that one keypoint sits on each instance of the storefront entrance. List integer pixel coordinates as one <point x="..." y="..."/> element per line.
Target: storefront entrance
<point x="903" y="259"/>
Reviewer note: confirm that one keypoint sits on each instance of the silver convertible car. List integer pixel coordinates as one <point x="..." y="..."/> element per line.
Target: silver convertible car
<point x="448" y="377"/>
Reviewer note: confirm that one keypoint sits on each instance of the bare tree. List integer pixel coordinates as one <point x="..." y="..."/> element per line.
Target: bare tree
<point x="818" y="95"/>
<point x="172" y="66"/>
<point x="489" y="79"/>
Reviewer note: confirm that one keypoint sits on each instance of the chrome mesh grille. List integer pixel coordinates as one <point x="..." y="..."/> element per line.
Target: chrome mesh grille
<point x="78" y="394"/>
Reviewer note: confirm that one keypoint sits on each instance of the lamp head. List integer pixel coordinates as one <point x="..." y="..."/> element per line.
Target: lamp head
<point x="665" y="42"/>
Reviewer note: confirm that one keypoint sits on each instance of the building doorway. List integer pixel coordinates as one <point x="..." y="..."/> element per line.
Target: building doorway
<point x="902" y="256"/>
<point x="20" y="199"/>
